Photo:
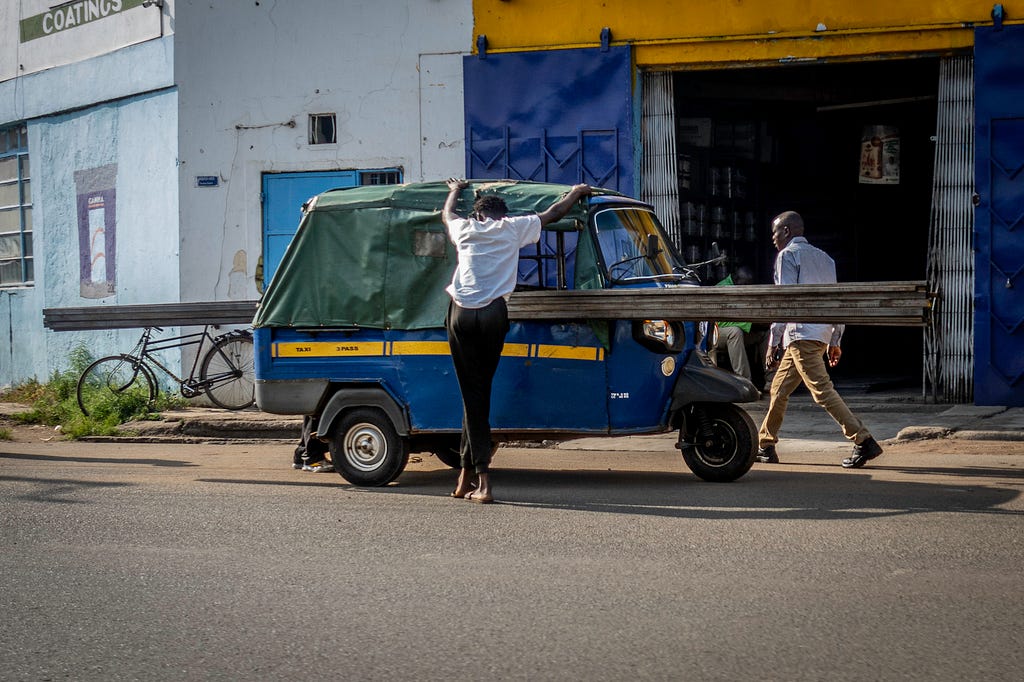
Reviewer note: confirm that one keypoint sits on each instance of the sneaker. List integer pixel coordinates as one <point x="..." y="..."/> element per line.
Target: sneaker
<point x="297" y="465"/>
<point x="318" y="466"/>
<point x="869" y="449"/>
<point x="767" y="455"/>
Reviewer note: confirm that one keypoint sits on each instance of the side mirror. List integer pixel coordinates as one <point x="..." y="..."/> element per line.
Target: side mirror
<point x="653" y="247"/>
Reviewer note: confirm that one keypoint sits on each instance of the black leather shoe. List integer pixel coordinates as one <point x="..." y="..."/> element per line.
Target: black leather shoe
<point x="767" y="455"/>
<point x="869" y="449"/>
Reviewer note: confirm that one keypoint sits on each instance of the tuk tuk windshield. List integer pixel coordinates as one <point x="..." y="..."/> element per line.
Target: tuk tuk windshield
<point x="625" y="238"/>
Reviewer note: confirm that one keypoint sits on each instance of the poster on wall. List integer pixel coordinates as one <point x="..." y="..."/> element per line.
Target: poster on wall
<point x="97" y="230"/>
<point x="880" y="155"/>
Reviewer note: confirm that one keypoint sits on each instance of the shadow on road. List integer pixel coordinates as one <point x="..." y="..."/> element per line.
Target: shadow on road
<point x="761" y="494"/>
<point x="965" y="472"/>
<point x="54" y="490"/>
<point x="153" y="462"/>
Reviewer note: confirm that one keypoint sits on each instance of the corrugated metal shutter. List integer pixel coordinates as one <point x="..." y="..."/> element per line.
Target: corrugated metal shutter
<point x="659" y="185"/>
<point x="949" y="339"/>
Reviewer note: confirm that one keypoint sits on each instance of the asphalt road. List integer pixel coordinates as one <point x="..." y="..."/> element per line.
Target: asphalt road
<point x="173" y="562"/>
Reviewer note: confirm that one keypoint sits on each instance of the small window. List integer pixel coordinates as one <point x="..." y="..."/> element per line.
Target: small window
<point x="430" y="244"/>
<point x="322" y="129"/>
<point x="382" y="177"/>
<point x="16" y="261"/>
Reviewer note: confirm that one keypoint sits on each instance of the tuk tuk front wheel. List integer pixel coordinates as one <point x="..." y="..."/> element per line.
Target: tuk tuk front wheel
<point x="366" y="449"/>
<point x="720" y="445"/>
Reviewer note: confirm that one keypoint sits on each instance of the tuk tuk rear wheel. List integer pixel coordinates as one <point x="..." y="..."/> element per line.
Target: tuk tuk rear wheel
<point x="727" y="450"/>
<point x="366" y="449"/>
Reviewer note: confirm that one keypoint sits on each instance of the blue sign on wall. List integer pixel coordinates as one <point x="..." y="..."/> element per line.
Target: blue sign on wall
<point x="560" y="116"/>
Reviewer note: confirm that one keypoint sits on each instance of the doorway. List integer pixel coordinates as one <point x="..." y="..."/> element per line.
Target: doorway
<point x="284" y="195"/>
<point x="753" y="142"/>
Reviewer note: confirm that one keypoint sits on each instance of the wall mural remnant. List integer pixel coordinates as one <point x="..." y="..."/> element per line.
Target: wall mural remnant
<point x="97" y="230"/>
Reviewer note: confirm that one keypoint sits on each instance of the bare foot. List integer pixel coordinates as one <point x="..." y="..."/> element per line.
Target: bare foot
<point x="483" y="493"/>
<point x="479" y="496"/>
<point x="466" y="485"/>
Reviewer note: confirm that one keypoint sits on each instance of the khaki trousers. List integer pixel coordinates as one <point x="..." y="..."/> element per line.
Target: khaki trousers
<point x="804" y="361"/>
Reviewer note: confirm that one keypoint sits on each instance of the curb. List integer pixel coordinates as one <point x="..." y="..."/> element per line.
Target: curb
<point x="923" y="433"/>
<point x="936" y="432"/>
<point x="187" y="440"/>
<point x="971" y="434"/>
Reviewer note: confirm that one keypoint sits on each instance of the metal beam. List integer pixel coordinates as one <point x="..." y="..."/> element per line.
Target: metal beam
<point x="904" y="304"/>
<point x="150" y="315"/>
<point x="863" y="303"/>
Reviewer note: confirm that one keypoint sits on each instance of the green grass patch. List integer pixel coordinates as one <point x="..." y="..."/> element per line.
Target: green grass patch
<point x="56" y="403"/>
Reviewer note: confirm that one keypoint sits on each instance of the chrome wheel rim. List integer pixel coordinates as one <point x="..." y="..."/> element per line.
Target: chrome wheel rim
<point x="365" y="447"/>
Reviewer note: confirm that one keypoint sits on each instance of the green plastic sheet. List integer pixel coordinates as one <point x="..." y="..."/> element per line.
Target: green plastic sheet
<point x="378" y="256"/>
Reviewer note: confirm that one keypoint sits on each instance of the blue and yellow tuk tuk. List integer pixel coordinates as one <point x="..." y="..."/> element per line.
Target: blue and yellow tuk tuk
<point x="351" y="330"/>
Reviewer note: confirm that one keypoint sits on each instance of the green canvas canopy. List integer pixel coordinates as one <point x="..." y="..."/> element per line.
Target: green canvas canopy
<point x="379" y="257"/>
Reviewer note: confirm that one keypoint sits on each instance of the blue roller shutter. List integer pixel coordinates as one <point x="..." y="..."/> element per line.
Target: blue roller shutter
<point x="999" y="217"/>
<point x="560" y="116"/>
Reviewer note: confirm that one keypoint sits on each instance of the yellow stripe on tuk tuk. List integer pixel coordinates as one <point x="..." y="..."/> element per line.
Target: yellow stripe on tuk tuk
<point x="568" y="352"/>
<point x="516" y="350"/>
<point x="419" y="348"/>
<point x="322" y="349"/>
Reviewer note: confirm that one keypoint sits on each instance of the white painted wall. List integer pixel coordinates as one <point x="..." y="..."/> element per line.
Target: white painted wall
<point x="216" y="95"/>
<point x="251" y="73"/>
<point x="50" y="34"/>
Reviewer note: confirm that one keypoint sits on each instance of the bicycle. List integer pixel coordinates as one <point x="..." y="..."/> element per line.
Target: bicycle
<point x="226" y="375"/>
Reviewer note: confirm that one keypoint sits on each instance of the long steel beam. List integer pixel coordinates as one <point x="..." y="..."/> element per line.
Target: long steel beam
<point x="862" y="303"/>
<point x="905" y="304"/>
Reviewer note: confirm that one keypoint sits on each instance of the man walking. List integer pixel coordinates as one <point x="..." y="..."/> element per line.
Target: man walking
<point x="488" y="244"/>
<point x="805" y="347"/>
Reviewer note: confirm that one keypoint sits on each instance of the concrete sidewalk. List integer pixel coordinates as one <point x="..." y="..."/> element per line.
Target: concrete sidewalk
<point x="891" y="415"/>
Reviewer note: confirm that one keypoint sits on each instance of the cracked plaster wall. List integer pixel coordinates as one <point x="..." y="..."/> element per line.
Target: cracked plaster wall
<point x="251" y="73"/>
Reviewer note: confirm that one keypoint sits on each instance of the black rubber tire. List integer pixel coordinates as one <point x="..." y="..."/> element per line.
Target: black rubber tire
<point x="366" y="449"/>
<point x="730" y="452"/>
<point x="111" y="376"/>
<point x="231" y="365"/>
<point x="449" y="455"/>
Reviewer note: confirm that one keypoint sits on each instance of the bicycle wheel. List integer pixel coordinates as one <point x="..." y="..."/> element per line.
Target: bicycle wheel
<point x="228" y="373"/>
<point x="112" y="378"/>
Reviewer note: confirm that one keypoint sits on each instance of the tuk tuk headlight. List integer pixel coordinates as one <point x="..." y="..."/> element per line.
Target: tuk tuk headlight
<point x="661" y="332"/>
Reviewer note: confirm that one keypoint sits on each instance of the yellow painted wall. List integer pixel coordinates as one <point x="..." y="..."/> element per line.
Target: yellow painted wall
<point x="691" y="33"/>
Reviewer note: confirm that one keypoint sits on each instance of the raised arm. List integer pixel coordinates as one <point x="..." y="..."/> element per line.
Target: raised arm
<point x="557" y="210"/>
<point x="455" y="186"/>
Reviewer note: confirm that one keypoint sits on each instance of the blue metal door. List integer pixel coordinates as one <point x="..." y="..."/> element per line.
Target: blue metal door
<point x="283" y="196"/>
<point x="999" y="217"/>
<point x="560" y="116"/>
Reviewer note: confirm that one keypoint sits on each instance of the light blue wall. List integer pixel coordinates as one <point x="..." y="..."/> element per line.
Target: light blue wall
<point x="137" y="136"/>
<point x="129" y="71"/>
<point x="20" y="318"/>
<point x="134" y="128"/>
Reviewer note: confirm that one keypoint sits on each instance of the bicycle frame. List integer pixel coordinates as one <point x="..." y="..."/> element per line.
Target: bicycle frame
<point x="223" y="368"/>
<point x="188" y="385"/>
